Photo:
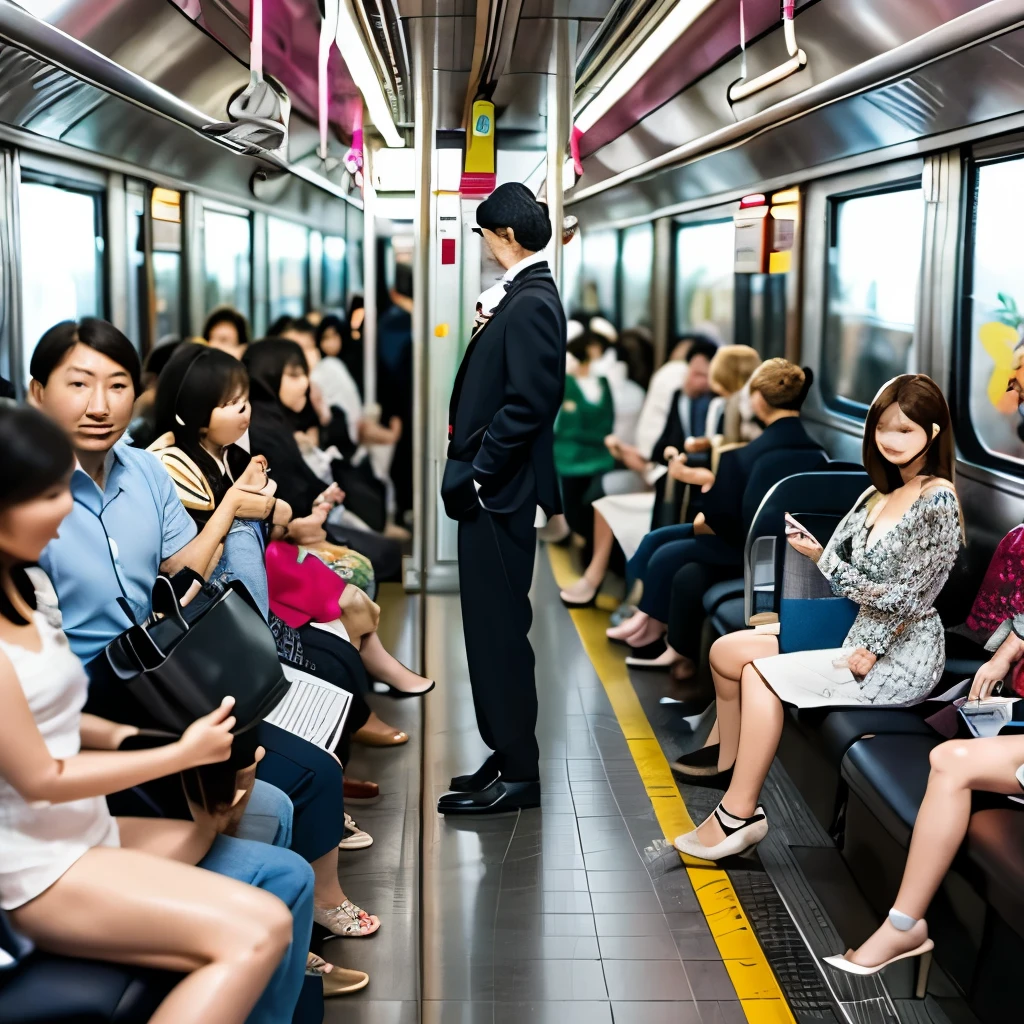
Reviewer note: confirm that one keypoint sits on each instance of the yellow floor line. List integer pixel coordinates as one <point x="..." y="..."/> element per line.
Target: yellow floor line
<point x="755" y="982"/>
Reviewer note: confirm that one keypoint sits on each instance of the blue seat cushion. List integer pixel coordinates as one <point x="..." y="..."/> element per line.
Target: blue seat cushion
<point x="721" y="591"/>
<point x="890" y="775"/>
<point x="49" y="989"/>
<point x="729" y="616"/>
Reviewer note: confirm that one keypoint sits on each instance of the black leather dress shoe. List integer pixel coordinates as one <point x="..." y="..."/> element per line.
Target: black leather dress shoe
<point x="499" y="798"/>
<point x="486" y="775"/>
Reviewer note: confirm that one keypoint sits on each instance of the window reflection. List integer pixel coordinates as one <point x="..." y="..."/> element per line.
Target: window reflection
<point x="167" y="290"/>
<point x="997" y="310"/>
<point x="637" y="270"/>
<point x="874" y="264"/>
<point x="61" y="259"/>
<point x="572" y="268"/>
<point x="334" y="272"/>
<point x="705" y="279"/>
<point x="227" y="247"/>
<point x="288" y="267"/>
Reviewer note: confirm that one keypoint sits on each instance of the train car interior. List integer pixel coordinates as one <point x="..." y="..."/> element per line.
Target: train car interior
<point x="764" y="215"/>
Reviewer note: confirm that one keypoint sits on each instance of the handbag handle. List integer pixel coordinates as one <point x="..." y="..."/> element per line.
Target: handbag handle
<point x="165" y="602"/>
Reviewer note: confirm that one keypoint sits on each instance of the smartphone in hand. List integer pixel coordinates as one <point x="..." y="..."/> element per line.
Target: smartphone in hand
<point x="793" y="527"/>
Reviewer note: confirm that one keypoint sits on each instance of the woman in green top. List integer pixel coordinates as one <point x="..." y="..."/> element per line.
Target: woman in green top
<point x="584" y="421"/>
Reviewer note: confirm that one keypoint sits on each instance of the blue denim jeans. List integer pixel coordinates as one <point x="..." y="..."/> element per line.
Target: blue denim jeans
<point x="290" y="879"/>
<point x="243" y="559"/>
<point x="268" y="817"/>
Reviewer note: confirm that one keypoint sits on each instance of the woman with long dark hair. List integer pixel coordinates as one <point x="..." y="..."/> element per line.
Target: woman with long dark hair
<point x="892" y="554"/>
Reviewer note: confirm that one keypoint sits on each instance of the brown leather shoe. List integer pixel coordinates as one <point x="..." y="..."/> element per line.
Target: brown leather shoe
<point x="356" y="789"/>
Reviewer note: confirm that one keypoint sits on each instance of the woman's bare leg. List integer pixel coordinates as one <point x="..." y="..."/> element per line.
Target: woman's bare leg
<point x="593" y="576"/>
<point x="760" y="732"/>
<point x="958" y="768"/>
<point x="387" y="668"/>
<point x="729" y="655"/>
<point x="131" y="907"/>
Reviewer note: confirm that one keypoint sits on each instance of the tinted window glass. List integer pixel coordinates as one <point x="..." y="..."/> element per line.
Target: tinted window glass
<point x="637" y="268"/>
<point x="705" y="280"/>
<point x="874" y="265"/>
<point x="227" y="245"/>
<point x="61" y="259"/>
<point x="288" y="263"/>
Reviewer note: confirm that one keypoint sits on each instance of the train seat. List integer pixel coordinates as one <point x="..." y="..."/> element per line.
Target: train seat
<point x="889" y="774"/>
<point x="49" y="989"/>
<point x="995" y="845"/>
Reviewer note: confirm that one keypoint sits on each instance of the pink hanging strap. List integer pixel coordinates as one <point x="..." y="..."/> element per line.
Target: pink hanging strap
<point x="574" y="150"/>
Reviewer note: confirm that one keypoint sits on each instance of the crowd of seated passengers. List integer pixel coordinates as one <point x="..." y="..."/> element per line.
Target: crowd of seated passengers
<point x="713" y="398"/>
<point x="123" y="522"/>
<point x="676" y="564"/>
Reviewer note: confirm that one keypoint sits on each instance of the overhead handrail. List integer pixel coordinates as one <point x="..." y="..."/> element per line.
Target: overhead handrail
<point x="742" y="89"/>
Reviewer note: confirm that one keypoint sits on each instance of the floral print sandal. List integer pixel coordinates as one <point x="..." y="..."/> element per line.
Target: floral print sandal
<point x="347" y="921"/>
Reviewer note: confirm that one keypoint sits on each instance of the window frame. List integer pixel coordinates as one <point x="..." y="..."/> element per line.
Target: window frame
<point x="834" y="402"/>
<point x="972" y="448"/>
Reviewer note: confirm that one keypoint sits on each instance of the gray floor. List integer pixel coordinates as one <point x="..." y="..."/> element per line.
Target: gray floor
<point x="571" y="913"/>
<point x="384" y="879"/>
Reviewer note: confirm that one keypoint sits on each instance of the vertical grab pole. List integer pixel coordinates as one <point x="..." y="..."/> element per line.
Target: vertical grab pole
<point x="559" y="117"/>
<point x="424" y="499"/>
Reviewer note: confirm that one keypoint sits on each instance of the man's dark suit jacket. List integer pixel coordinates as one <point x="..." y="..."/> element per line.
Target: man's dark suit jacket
<point x="507" y="394"/>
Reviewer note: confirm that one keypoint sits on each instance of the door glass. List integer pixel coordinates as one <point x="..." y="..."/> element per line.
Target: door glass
<point x="288" y="266"/>
<point x="705" y="280"/>
<point x="61" y="259"/>
<point x="227" y="248"/>
<point x="874" y="264"/>
<point x="637" y="270"/>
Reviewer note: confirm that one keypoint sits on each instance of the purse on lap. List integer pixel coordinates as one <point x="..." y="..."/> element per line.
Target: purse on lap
<point x="181" y="663"/>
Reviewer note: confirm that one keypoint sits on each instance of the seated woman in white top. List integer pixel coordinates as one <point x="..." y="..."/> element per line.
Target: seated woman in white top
<point x="72" y="879"/>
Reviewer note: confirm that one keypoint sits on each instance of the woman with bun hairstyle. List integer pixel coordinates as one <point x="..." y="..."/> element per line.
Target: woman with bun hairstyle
<point x="891" y="554"/>
<point x="678" y="570"/>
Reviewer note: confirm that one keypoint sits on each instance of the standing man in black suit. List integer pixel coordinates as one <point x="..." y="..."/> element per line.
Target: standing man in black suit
<point x="500" y="484"/>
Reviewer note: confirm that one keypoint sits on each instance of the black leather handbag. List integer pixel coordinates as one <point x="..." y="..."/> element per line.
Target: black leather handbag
<point x="182" y="662"/>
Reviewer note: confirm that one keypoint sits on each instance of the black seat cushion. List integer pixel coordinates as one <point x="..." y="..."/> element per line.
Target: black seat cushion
<point x="995" y="844"/>
<point x="58" y="990"/>
<point x="721" y="591"/>
<point x="834" y="732"/>
<point x="729" y="616"/>
<point x="890" y="774"/>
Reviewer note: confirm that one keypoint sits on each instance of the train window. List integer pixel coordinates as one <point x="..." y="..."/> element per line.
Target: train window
<point x="704" y="279"/>
<point x="288" y="267"/>
<point x="61" y="259"/>
<point x="598" y="279"/>
<point x="227" y="251"/>
<point x="334" y="263"/>
<point x="995" y="306"/>
<point x="873" y="269"/>
<point x="572" y="267"/>
<point x="637" y="270"/>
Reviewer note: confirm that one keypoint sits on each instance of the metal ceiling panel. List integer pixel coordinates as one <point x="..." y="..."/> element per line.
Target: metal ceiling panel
<point x="973" y="86"/>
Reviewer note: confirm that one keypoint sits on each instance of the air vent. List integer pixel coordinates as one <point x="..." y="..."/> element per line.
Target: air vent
<point x="909" y="102"/>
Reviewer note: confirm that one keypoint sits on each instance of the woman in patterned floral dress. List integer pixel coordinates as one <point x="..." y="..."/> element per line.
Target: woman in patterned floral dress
<point x="892" y="554"/>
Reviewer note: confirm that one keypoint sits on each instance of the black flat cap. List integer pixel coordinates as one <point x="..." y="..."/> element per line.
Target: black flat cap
<point x="512" y="205"/>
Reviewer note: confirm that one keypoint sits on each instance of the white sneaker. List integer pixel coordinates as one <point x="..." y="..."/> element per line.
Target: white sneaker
<point x="741" y="834"/>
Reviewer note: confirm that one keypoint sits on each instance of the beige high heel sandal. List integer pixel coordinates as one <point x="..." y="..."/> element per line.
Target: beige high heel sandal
<point x="338" y="981"/>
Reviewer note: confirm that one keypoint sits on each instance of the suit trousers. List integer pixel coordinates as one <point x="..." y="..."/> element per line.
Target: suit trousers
<point x="496" y="559"/>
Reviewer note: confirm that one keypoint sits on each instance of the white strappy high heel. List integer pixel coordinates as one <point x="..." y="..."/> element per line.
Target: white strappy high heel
<point x="741" y="834"/>
<point x="903" y="923"/>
